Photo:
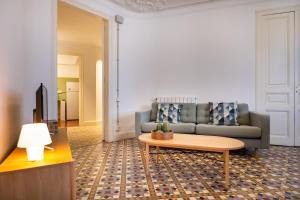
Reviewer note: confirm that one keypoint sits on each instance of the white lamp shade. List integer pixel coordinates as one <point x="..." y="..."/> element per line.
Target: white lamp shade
<point x="33" y="135"/>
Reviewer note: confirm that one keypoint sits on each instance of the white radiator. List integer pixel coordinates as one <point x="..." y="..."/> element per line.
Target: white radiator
<point x="176" y="99"/>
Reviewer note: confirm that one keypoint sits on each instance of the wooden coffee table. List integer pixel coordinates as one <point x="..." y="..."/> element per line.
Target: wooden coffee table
<point x="195" y="142"/>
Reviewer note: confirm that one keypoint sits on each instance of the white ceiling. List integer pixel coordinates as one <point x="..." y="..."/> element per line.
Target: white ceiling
<point x="67" y="66"/>
<point x="66" y="59"/>
<point x="76" y="26"/>
<point x="157" y="5"/>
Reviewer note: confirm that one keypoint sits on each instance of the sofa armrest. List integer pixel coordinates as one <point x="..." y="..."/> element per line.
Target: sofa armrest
<point x="262" y="121"/>
<point x="140" y="118"/>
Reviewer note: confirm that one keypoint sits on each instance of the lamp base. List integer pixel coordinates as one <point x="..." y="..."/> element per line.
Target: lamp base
<point x="35" y="153"/>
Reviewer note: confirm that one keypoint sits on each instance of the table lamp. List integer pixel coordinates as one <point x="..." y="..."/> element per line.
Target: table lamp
<point x="34" y="137"/>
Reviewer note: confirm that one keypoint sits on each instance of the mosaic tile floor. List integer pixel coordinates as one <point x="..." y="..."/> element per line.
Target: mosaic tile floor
<point x="116" y="171"/>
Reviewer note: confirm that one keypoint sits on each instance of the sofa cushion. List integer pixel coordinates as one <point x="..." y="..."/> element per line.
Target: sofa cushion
<point x="202" y="113"/>
<point x="153" y="113"/>
<point x="188" y="112"/>
<point x="168" y="112"/>
<point x="229" y="131"/>
<point x="243" y="114"/>
<point x="223" y="113"/>
<point x="178" y="128"/>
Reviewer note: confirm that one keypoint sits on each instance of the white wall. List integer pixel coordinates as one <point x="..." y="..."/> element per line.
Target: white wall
<point x="208" y="53"/>
<point x="40" y="54"/>
<point x="70" y="71"/>
<point x="26" y="60"/>
<point x="202" y="48"/>
<point x="12" y="62"/>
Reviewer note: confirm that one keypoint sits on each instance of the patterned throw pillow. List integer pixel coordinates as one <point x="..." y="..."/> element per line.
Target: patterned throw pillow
<point x="223" y="113"/>
<point x="168" y="112"/>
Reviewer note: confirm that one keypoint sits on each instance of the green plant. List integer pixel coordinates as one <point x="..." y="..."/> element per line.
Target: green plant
<point x="163" y="127"/>
<point x="158" y="127"/>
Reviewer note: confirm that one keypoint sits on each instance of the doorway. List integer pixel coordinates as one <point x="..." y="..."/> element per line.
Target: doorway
<point x="81" y="48"/>
<point x="277" y="73"/>
<point x="68" y="89"/>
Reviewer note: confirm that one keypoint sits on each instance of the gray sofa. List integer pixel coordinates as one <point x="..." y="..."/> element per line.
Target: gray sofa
<point x="253" y="129"/>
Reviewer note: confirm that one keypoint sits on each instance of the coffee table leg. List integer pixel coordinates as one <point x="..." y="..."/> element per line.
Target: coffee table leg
<point x="226" y="168"/>
<point x="157" y="154"/>
<point x="147" y="158"/>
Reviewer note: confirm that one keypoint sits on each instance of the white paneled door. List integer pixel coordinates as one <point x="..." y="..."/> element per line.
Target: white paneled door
<point x="276" y="74"/>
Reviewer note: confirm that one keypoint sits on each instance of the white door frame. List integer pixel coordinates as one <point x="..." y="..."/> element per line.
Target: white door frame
<point x="259" y="77"/>
<point x="297" y="76"/>
<point x="107" y="124"/>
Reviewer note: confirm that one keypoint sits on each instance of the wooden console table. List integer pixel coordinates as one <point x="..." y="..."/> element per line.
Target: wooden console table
<point x="50" y="179"/>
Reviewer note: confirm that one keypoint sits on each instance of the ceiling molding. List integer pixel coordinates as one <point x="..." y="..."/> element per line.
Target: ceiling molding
<point x="149" y="6"/>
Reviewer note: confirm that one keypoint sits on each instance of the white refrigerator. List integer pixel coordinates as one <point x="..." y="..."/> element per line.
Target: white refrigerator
<point x="72" y="100"/>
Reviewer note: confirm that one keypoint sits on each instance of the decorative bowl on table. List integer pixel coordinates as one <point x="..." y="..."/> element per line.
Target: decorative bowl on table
<point x="159" y="135"/>
<point x="162" y="132"/>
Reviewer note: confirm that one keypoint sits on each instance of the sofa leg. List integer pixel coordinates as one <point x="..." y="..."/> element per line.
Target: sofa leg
<point x="250" y="151"/>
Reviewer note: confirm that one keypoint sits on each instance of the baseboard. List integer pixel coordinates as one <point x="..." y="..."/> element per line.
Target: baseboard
<point x="90" y="123"/>
<point x="124" y="135"/>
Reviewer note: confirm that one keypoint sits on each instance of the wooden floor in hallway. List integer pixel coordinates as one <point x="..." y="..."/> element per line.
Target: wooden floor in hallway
<point x="68" y="123"/>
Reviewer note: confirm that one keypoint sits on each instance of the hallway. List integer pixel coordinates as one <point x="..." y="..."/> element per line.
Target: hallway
<point x="82" y="136"/>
